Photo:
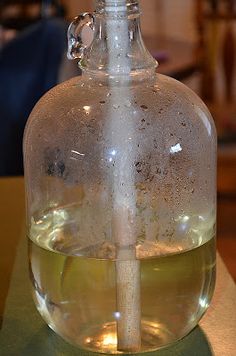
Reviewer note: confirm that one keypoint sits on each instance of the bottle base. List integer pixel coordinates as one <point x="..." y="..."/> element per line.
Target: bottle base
<point x="103" y="339"/>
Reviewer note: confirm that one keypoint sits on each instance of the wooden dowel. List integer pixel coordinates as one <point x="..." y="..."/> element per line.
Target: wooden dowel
<point x="124" y="194"/>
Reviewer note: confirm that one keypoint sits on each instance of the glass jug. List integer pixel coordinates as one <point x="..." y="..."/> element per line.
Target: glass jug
<point x="120" y="169"/>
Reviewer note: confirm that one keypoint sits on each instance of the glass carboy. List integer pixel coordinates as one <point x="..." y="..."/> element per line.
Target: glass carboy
<point x="120" y="169"/>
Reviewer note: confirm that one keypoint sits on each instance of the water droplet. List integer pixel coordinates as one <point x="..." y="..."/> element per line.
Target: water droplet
<point x="156" y="89"/>
<point x="128" y="104"/>
<point x="144" y="107"/>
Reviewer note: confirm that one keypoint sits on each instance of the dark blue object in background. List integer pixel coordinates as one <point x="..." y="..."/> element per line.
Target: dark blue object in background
<point x="29" y="67"/>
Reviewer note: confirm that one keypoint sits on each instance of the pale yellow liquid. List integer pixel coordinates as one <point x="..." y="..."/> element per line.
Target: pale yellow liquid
<point x="76" y="293"/>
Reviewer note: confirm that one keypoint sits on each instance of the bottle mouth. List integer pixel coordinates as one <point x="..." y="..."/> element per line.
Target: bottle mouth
<point x="118" y="2"/>
<point x="117" y="6"/>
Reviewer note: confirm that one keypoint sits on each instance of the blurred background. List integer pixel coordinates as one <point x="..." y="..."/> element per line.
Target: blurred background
<point x="193" y="40"/>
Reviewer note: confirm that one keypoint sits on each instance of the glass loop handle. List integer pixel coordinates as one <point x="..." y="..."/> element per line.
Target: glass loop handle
<point x="76" y="46"/>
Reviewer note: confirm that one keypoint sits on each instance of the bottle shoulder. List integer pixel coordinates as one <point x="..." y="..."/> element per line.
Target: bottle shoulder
<point x="161" y="102"/>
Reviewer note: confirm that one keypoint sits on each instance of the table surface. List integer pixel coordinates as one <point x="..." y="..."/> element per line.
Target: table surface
<point x="23" y="332"/>
<point x="178" y="59"/>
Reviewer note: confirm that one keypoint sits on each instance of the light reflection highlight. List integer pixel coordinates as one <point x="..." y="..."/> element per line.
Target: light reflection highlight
<point x="87" y="109"/>
<point x="77" y="153"/>
<point x="117" y="315"/>
<point x="109" y="339"/>
<point x="175" y="149"/>
<point x="205" y="120"/>
<point x="203" y="303"/>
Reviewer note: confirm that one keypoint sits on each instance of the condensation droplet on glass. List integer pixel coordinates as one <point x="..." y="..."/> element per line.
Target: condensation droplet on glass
<point x="156" y="89"/>
<point x="128" y="104"/>
<point x="144" y="107"/>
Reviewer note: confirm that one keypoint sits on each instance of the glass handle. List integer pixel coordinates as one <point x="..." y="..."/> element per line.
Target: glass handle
<point x="76" y="46"/>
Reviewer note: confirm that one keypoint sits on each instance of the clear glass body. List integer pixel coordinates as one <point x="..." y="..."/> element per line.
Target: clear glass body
<point x="121" y="202"/>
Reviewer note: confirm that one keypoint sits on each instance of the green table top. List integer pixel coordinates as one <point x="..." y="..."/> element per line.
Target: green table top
<point x="23" y="332"/>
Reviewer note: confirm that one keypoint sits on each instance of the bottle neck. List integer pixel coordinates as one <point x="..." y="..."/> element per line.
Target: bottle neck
<point x="118" y="49"/>
<point x="117" y="7"/>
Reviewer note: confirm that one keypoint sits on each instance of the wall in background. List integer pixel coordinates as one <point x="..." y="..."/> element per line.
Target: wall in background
<point x="179" y="19"/>
<point x="174" y="18"/>
<point x="77" y="6"/>
<point x="153" y="17"/>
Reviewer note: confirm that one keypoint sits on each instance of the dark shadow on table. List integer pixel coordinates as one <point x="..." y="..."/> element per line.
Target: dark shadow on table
<point x="46" y="343"/>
